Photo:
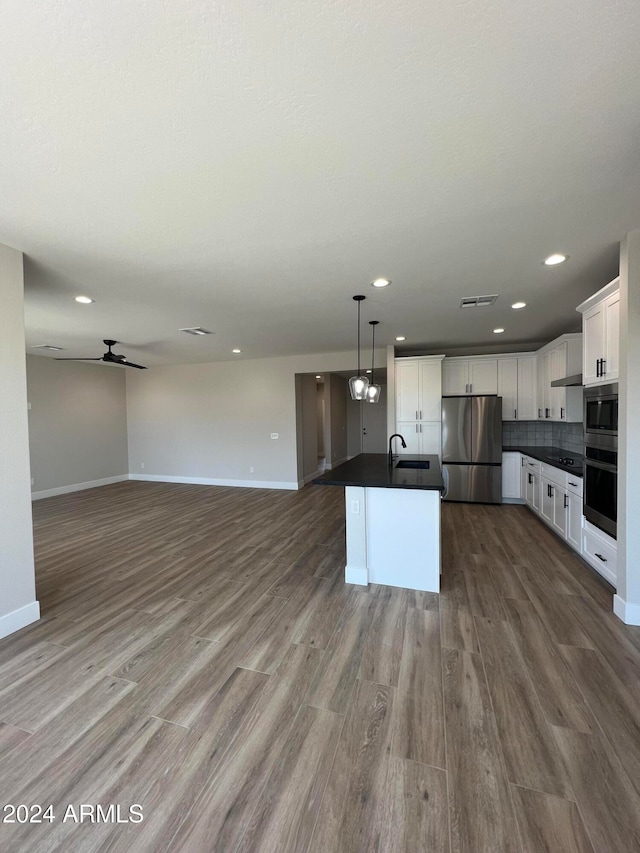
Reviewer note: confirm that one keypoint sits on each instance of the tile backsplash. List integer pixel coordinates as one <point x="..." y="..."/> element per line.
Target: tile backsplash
<point x="569" y="437"/>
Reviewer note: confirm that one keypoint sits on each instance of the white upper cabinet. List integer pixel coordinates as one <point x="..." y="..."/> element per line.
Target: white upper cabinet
<point x="557" y="360"/>
<point x="462" y="377"/>
<point x="526" y="408"/>
<point x="517" y="387"/>
<point x="418" y="389"/>
<point x="601" y="335"/>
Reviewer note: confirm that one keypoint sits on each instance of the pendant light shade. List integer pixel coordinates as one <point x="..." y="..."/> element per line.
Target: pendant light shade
<point x="358" y="384"/>
<point x="373" y="391"/>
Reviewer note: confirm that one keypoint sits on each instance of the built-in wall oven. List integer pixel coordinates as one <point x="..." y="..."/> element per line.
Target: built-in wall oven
<point x="600" y="496"/>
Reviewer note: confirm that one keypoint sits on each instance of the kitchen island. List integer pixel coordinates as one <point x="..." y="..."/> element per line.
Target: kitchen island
<point x="393" y="519"/>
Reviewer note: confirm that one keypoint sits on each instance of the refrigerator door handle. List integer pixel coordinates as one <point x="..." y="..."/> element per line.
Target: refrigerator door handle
<point x="445" y="480"/>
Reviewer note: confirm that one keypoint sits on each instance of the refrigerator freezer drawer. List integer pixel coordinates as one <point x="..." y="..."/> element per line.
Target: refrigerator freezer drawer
<point x="473" y="483"/>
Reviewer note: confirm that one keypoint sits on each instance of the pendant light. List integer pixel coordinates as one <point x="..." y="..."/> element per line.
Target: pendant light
<point x="358" y="384"/>
<point x="373" y="391"/>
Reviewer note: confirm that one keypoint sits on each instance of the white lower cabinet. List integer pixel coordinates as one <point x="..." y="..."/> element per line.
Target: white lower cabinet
<point x="556" y="497"/>
<point x="601" y="552"/>
<point x="420" y="437"/>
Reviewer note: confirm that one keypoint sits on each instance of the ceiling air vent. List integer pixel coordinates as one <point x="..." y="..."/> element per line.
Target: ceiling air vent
<point x="196" y="330"/>
<point x="48" y="347"/>
<point x="478" y="301"/>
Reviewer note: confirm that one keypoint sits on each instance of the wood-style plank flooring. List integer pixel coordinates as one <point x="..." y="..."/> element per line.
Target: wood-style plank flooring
<point x="200" y="655"/>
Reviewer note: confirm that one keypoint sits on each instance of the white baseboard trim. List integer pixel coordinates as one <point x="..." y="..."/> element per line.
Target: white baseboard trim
<point x="78" y="487"/>
<point x="330" y="465"/>
<point x="20" y="618"/>
<point x="310" y="477"/>
<point x="215" y="481"/>
<point x="626" y="611"/>
<point x="356" y="575"/>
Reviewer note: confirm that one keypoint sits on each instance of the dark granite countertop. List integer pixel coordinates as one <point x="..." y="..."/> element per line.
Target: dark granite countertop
<point x="372" y="470"/>
<point x="551" y="456"/>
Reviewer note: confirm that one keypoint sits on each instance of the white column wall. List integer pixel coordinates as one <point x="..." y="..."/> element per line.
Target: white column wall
<point x="18" y="605"/>
<point x="626" y="603"/>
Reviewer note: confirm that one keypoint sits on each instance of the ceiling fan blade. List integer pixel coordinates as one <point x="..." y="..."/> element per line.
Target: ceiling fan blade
<point x="70" y="358"/>
<point x="131" y="364"/>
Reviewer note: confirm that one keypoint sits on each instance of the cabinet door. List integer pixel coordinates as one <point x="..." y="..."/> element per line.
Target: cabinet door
<point x="508" y="388"/>
<point x="429" y="436"/>
<point x="593" y="333"/>
<point x="523" y="478"/>
<point x="410" y="431"/>
<point x="407" y="390"/>
<point x="430" y="402"/>
<point x="483" y="376"/>
<point x="541" y="369"/>
<point x="574" y="521"/>
<point x="510" y="475"/>
<point x="526" y="405"/>
<point x="612" y="338"/>
<point x="560" y="509"/>
<point x="455" y="377"/>
<point x="547" y="509"/>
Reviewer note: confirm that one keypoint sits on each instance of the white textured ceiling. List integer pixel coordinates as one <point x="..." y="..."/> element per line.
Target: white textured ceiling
<point x="248" y="167"/>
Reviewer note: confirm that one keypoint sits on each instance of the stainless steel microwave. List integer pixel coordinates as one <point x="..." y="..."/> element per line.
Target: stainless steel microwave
<point x="600" y="412"/>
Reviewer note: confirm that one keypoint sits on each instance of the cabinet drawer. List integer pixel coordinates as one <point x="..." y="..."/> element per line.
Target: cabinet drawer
<point x="531" y="464"/>
<point x="555" y="475"/>
<point x="574" y="485"/>
<point x="600" y="554"/>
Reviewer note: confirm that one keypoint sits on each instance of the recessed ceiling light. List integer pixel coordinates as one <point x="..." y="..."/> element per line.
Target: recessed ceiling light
<point x="518" y="305"/>
<point x="380" y="282"/>
<point x="236" y="350"/>
<point x="556" y="258"/>
<point x="85" y="300"/>
<point x="401" y="338"/>
<point x="498" y="331"/>
<point x="318" y="376"/>
<point x="368" y="371"/>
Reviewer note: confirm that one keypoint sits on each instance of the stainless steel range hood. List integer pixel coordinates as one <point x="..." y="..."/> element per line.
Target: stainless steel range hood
<point x="567" y="381"/>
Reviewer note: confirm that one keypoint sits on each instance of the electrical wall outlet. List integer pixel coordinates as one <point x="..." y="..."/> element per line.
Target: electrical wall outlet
<point x="251" y="470"/>
<point x="142" y="464"/>
<point x="355" y="507"/>
<point x="275" y="435"/>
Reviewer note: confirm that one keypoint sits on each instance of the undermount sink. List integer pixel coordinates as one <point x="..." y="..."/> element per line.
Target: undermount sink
<point x="413" y="463"/>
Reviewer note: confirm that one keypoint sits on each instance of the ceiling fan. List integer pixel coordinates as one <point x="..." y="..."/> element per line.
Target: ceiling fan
<point x="109" y="357"/>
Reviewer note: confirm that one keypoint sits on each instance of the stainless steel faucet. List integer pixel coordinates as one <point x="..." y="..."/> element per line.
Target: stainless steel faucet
<point x="404" y="444"/>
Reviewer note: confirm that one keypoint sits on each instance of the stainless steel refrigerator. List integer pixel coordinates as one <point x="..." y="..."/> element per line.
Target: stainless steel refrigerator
<point x="472" y="449"/>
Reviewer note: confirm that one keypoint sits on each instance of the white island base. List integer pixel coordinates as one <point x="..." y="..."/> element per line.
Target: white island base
<point x="393" y="537"/>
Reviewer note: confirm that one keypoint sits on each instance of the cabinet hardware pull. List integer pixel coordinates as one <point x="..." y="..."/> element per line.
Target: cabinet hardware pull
<point x="597" y="367"/>
<point x="572" y="484"/>
<point x="546" y="413"/>
<point x="600" y="557"/>
<point x="416" y="414"/>
<point x="471" y="387"/>
<point x="566" y="501"/>
<point x="529" y="476"/>
<point x="603" y="368"/>
<point x="420" y="414"/>
<point x="515" y="414"/>
<point x="539" y="413"/>
<point x="561" y="413"/>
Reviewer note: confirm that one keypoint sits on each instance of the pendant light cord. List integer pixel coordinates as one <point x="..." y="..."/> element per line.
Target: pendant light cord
<point x="373" y="348"/>
<point x="358" y="338"/>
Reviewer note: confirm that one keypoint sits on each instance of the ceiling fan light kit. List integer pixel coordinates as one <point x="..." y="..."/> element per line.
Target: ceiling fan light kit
<point x="358" y="384"/>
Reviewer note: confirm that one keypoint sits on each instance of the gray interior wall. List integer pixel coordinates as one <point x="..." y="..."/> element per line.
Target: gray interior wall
<point x="308" y="424"/>
<point x="354" y="426"/>
<point x="214" y="421"/>
<point x="17" y="577"/>
<point x="77" y="422"/>
<point x="338" y="421"/>
<point x="320" y="417"/>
